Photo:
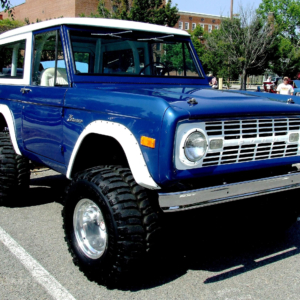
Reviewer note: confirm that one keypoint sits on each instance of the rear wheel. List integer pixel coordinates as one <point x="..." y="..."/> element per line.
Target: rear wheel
<point x="14" y="171"/>
<point x="109" y="222"/>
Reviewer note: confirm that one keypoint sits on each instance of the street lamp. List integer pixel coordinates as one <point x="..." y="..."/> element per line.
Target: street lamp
<point x="231" y="9"/>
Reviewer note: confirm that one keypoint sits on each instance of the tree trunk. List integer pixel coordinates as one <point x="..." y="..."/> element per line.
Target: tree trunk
<point x="244" y="80"/>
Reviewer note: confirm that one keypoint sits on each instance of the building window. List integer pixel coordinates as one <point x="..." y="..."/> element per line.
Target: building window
<point x="193" y="26"/>
<point x="180" y="25"/>
<point x="186" y="26"/>
<point x="214" y="21"/>
<point x="209" y="28"/>
<point x="216" y="27"/>
<point x="191" y="18"/>
<point x="202" y="25"/>
<point x="202" y="19"/>
<point x="158" y="46"/>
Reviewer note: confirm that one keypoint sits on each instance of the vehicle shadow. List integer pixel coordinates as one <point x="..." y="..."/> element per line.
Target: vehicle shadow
<point x="224" y="259"/>
<point x="225" y="240"/>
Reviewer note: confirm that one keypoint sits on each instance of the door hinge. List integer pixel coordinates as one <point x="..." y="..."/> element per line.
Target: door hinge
<point x="62" y="112"/>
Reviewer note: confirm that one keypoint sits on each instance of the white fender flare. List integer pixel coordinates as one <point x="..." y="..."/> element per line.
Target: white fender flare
<point x="129" y="144"/>
<point x="8" y="116"/>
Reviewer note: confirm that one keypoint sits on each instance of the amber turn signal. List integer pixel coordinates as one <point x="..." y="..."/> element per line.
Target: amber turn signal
<point x="148" y="142"/>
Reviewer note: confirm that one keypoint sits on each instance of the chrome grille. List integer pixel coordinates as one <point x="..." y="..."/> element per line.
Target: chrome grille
<point x="252" y="128"/>
<point x="251" y="140"/>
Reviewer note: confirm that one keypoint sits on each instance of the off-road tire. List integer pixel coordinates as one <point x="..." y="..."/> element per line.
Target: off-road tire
<point x="14" y="171"/>
<point x="131" y="222"/>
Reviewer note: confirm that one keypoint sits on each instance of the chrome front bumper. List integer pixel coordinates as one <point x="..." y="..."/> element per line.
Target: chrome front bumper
<point x="171" y="202"/>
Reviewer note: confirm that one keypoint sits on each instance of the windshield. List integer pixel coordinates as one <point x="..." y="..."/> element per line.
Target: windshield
<point x="130" y="53"/>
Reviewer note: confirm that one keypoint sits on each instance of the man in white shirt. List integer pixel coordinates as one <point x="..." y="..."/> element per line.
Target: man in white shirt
<point x="285" y="88"/>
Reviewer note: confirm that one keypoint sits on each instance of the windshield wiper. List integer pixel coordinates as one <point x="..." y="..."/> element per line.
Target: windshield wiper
<point x="157" y="39"/>
<point x="114" y="34"/>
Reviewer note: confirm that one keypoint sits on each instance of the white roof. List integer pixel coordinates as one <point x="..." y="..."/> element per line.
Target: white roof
<point x="95" y="22"/>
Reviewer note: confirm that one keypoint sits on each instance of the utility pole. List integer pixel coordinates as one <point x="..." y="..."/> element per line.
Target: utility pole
<point x="231" y="9"/>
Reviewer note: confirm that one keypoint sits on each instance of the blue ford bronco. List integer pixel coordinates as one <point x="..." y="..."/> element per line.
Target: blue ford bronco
<point x="125" y="111"/>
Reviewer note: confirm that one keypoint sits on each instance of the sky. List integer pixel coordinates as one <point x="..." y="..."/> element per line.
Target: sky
<point x="214" y="7"/>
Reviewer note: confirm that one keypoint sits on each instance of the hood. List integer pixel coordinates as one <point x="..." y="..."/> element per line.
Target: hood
<point x="237" y="103"/>
<point x="209" y="102"/>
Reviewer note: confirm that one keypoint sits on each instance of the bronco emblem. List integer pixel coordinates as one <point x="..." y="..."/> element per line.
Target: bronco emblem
<point x="71" y="119"/>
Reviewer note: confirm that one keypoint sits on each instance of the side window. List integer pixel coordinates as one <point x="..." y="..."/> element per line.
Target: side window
<point x="12" y="57"/>
<point x="49" y="67"/>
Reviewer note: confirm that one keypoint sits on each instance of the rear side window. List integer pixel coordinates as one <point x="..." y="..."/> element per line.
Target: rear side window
<point x="12" y="58"/>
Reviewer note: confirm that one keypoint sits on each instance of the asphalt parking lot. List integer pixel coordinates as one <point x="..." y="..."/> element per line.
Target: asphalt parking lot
<point x="233" y="251"/>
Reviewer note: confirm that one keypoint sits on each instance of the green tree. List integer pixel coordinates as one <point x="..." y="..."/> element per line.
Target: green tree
<point x="241" y="45"/>
<point x="173" y="57"/>
<point x="215" y="59"/>
<point x="6" y="5"/>
<point x="285" y="60"/>
<point x="197" y="37"/>
<point x="286" y="14"/>
<point x="8" y="24"/>
<point x="153" y="11"/>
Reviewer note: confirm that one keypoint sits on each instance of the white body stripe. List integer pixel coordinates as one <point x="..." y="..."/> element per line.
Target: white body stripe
<point x="11" y="126"/>
<point x="129" y="144"/>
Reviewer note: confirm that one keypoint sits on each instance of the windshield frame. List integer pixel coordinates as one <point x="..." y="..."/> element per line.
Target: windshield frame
<point x="98" y="77"/>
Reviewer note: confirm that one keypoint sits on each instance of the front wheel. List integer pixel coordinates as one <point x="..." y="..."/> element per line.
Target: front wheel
<point x="109" y="222"/>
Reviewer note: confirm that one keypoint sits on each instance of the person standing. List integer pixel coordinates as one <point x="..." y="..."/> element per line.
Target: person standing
<point x="285" y="88"/>
<point x="213" y="83"/>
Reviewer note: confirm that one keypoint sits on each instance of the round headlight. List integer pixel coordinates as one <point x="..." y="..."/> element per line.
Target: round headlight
<point x="195" y="146"/>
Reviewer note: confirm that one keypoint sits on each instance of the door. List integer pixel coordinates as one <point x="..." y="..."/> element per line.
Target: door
<point x="42" y="125"/>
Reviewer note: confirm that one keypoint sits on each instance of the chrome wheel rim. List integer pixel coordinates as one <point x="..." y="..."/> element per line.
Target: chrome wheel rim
<point x="90" y="228"/>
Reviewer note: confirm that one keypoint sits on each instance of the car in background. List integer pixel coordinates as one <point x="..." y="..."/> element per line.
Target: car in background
<point x="270" y="86"/>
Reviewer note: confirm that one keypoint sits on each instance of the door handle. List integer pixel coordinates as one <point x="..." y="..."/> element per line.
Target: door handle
<point x="25" y="91"/>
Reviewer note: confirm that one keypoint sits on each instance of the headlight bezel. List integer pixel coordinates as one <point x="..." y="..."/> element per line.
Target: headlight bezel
<point x="183" y="132"/>
<point x="194" y="161"/>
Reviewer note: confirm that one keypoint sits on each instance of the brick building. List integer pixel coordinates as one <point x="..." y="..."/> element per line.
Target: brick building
<point x="189" y="21"/>
<point x="45" y="10"/>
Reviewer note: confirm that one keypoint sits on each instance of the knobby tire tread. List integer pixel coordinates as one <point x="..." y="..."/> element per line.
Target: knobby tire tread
<point x="137" y="223"/>
<point x="14" y="170"/>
